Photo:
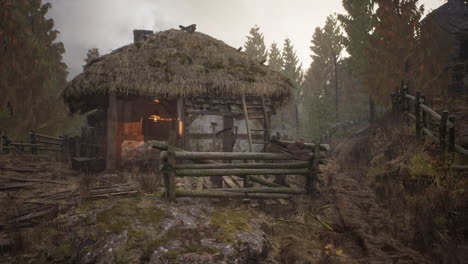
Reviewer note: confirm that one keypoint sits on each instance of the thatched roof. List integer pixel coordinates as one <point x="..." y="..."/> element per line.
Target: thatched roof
<point x="175" y="63"/>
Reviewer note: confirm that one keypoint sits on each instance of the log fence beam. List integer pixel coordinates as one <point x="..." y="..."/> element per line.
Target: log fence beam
<point x="417" y="114"/>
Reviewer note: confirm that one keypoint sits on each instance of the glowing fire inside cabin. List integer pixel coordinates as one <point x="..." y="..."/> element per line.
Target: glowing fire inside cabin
<point x="157" y="118"/>
<point x="156" y="100"/>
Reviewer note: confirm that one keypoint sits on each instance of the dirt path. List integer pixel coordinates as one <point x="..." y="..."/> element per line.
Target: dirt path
<point x="362" y="227"/>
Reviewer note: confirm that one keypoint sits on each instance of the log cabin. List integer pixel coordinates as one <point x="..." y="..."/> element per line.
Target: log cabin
<point x="176" y="78"/>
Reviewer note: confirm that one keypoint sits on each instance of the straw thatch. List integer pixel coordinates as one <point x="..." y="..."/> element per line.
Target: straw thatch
<point x="175" y="63"/>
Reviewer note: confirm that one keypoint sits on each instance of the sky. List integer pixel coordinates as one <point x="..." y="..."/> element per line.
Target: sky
<point x="109" y="24"/>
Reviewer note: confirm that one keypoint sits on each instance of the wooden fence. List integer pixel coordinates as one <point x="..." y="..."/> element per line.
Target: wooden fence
<point x="339" y="127"/>
<point x="64" y="147"/>
<point x="175" y="165"/>
<point x="422" y="116"/>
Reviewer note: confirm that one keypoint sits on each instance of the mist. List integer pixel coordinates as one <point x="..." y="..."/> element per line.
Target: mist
<point x="108" y="24"/>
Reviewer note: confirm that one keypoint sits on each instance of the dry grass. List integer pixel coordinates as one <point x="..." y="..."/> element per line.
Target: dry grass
<point x="174" y="63"/>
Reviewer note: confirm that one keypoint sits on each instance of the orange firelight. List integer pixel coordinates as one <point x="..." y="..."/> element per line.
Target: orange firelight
<point x="181" y="128"/>
<point x="156" y="100"/>
<point x="157" y="118"/>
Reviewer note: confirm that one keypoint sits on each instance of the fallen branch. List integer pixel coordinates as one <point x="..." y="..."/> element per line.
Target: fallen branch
<point x="23" y="169"/>
<point x="33" y="180"/>
<point x="320" y="221"/>
<point x="13" y="187"/>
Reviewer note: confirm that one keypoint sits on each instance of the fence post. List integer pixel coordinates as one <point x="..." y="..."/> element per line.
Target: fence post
<point x="34" y="142"/>
<point x="452" y="133"/>
<point x="401" y="97"/>
<point x="443" y="129"/>
<point x="424" y="114"/>
<point x="417" y="113"/>
<point x="1" y="142"/>
<point x="311" y="180"/>
<point x="66" y="149"/>
<point x="171" y="163"/>
<point x="76" y="140"/>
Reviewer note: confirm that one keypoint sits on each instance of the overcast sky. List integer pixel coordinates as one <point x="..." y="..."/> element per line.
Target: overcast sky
<point x="109" y="24"/>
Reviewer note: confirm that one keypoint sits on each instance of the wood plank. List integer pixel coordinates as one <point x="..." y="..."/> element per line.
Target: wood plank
<point x="14" y="187"/>
<point x="294" y="165"/>
<point x="234" y="156"/>
<point x="264" y="182"/>
<point x="215" y="113"/>
<point x="217" y="194"/>
<point x="23" y="169"/>
<point x="225" y="172"/>
<point x="324" y="147"/>
<point x="33" y="180"/>
<point x="50" y="202"/>
<point x="246" y="116"/>
<point x="284" y="190"/>
<point x="46" y="136"/>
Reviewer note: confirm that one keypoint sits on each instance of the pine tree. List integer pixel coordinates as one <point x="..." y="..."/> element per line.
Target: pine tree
<point x="327" y="45"/>
<point x="32" y="73"/>
<point x="292" y="70"/>
<point x="320" y="84"/>
<point x="91" y="55"/>
<point x="394" y="44"/>
<point x="358" y="24"/>
<point x="275" y="60"/>
<point x="255" y="45"/>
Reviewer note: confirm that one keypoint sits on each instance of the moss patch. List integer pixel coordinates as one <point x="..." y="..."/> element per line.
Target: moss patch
<point x="229" y="224"/>
<point x="422" y="164"/>
<point x="377" y="166"/>
<point x="121" y="216"/>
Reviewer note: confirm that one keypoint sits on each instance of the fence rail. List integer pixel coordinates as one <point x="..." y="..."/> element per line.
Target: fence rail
<point x="175" y="165"/>
<point x="421" y="113"/>
<point x="64" y="147"/>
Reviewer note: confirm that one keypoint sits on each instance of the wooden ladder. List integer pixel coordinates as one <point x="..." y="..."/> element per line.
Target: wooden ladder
<point x="266" y="125"/>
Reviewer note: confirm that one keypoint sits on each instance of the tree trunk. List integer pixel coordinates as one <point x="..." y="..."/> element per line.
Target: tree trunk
<point x="335" y="64"/>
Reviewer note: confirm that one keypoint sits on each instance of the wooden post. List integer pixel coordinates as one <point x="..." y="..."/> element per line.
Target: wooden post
<point x="76" y="141"/>
<point x="1" y="142"/>
<point x="217" y="181"/>
<point x="246" y="116"/>
<point x="171" y="164"/>
<point x="401" y="96"/>
<point x="214" y="124"/>
<point x="6" y="144"/>
<point x="228" y="144"/>
<point x="452" y="133"/>
<point x="228" y="126"/>
<point x="417" y="113"/>
<point x="34" y="142"/>
<point x="187" y="126"/>
<point x="314" y="164"/>
<point x="404" y="99"/>
<point x="443" y="129"/>
<point x="266" y="125"/>
<point x="66" y="149"/>
<point x="424" y="113"/>
<point x="111" y="140"/>
<point x="393" y="102"/>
